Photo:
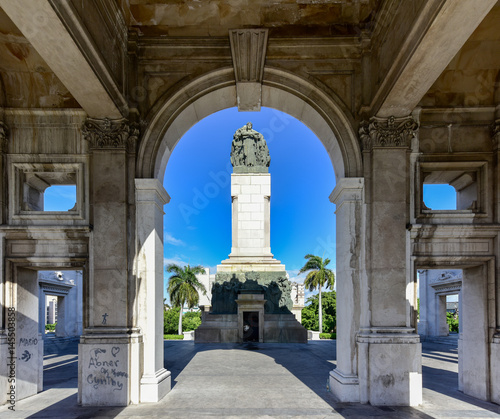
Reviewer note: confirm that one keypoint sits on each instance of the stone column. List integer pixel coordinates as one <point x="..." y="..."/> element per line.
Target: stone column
<point x="389" y="349"/>
<point x="4" y="135"/>
<point x="29" y="345"/>
<point x="473" y="345"/>
<point x="109" y="336"/>
<point x="4" y="333"/>
<point x="42" y="311"/>
<point x="348" y="197"/>
<point x="423" y="324"/>
<point x="61" y="325"/>
<point x="150" y="198"/>
<point x="495" y="342"/>
<point x="442" y="325"/>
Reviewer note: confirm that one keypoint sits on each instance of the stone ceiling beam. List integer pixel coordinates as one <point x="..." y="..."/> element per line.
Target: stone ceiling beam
<point x="49" y="34"/>
<point x="440" y="30"/>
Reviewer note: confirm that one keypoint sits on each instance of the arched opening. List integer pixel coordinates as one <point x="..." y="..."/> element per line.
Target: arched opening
<point x="198" y="218"/>
<point x="171" y="119"/>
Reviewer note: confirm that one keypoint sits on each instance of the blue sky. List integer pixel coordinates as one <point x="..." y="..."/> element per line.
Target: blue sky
<point x="197" y="220"/>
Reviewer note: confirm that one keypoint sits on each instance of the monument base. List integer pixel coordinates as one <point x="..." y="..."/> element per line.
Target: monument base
<point x="250" y="307"/>
<point x="223" y="328"/>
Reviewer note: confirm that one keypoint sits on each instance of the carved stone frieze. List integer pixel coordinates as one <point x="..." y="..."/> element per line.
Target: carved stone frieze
<point x="4" y="135"/>
<point x="387" y="132"/>
<point x="110" y="134"/>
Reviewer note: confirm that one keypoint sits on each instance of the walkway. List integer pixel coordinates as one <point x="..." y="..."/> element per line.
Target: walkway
<point x="250" y="381"/>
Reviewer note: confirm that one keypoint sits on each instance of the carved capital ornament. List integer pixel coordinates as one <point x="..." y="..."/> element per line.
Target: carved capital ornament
<point x="110" y="134"/>
<point x="387" y="132"/>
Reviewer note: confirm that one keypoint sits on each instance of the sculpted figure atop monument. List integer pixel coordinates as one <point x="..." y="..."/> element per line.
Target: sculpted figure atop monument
<point x="249" y="152"/>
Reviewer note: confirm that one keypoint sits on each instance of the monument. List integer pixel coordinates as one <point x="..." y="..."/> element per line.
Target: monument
<point x="251" y="293"/>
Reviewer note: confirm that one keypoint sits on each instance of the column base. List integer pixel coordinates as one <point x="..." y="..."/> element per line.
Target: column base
<point x="154" y="388"/>
<point x="495" y="369"/>
<point x="390" y="366"/>
<point x="344" y="388"/>
<point x="108" y="367"/>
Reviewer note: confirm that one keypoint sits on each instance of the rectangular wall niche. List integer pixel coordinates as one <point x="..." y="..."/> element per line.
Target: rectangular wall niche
<point x="467" y="178"/>
<point x="30" y="181"/>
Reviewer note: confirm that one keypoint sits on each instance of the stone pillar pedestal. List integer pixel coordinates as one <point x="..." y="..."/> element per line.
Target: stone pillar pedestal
<point x="109" y="367"/>
<point x="151" y="196"/>
<point x="348" y="198"/>
<point x="390" y="371"/>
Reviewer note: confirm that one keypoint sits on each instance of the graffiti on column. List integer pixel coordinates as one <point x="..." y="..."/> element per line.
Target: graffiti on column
<point x="105" y="367"/>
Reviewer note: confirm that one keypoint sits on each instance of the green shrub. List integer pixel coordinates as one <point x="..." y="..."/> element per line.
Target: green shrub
<point x="191" y="320"/>
<point x="310" y="316"/>
<point x="171" y="321"/>
<point x="452" y="320"/>
<point x="51" y="327"/>
<point x="173" y="337"/>
<point x="328" y="336"/>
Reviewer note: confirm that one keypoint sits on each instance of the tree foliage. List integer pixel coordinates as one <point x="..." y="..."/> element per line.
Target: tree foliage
<point x="310" y="313"/>
<point x="190" y="321"/>
<point x="452" y="320"/>
<point x="171" y="321"/>
<point x="318" y="276"/>
<point x="183" y="287"/>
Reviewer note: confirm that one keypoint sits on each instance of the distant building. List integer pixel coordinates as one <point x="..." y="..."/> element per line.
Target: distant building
<point x="61" y="302"/>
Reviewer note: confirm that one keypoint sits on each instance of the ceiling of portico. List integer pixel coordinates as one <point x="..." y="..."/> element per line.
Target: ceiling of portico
<point x="26" y="81"/>
<point x="469" y="79"/>
<point x="281" y="17"/>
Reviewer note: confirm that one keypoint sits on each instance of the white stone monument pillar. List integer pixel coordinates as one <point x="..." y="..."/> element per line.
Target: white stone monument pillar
<point x="251" y="225"/>
<point x="389" y="350"/>
<point x="251" y="206"/>
<point x="251" y="274"/>
<point x="151" y="196"/>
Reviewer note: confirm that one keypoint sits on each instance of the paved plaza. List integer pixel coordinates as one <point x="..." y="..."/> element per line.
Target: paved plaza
<point x="250" y="381"/>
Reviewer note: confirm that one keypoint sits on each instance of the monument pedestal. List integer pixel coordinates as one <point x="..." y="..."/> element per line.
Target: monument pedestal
<point x="267" y="294"/>
<point x="251" y="293"/>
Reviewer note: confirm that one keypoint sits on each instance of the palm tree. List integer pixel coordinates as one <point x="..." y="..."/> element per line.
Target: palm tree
<point x="319" y="276"/>
<point x="183" y="287"/>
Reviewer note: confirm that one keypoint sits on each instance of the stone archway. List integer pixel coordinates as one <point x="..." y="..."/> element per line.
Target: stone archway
<point x="327" y="118"/>
<point x="168" y="122"/>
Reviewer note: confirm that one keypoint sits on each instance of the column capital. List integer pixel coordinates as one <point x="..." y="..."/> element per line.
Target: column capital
<point x="4" y="135"/>
<point x="348" y="189"/>
<point x="151" y="190"/>
<point x="387" y="132"/>
<point x="106" y="134"/>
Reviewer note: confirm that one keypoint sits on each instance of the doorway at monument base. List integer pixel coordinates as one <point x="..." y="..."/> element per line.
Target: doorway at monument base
<point x="277" y="328"/>
<point x="262" y="296"/>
